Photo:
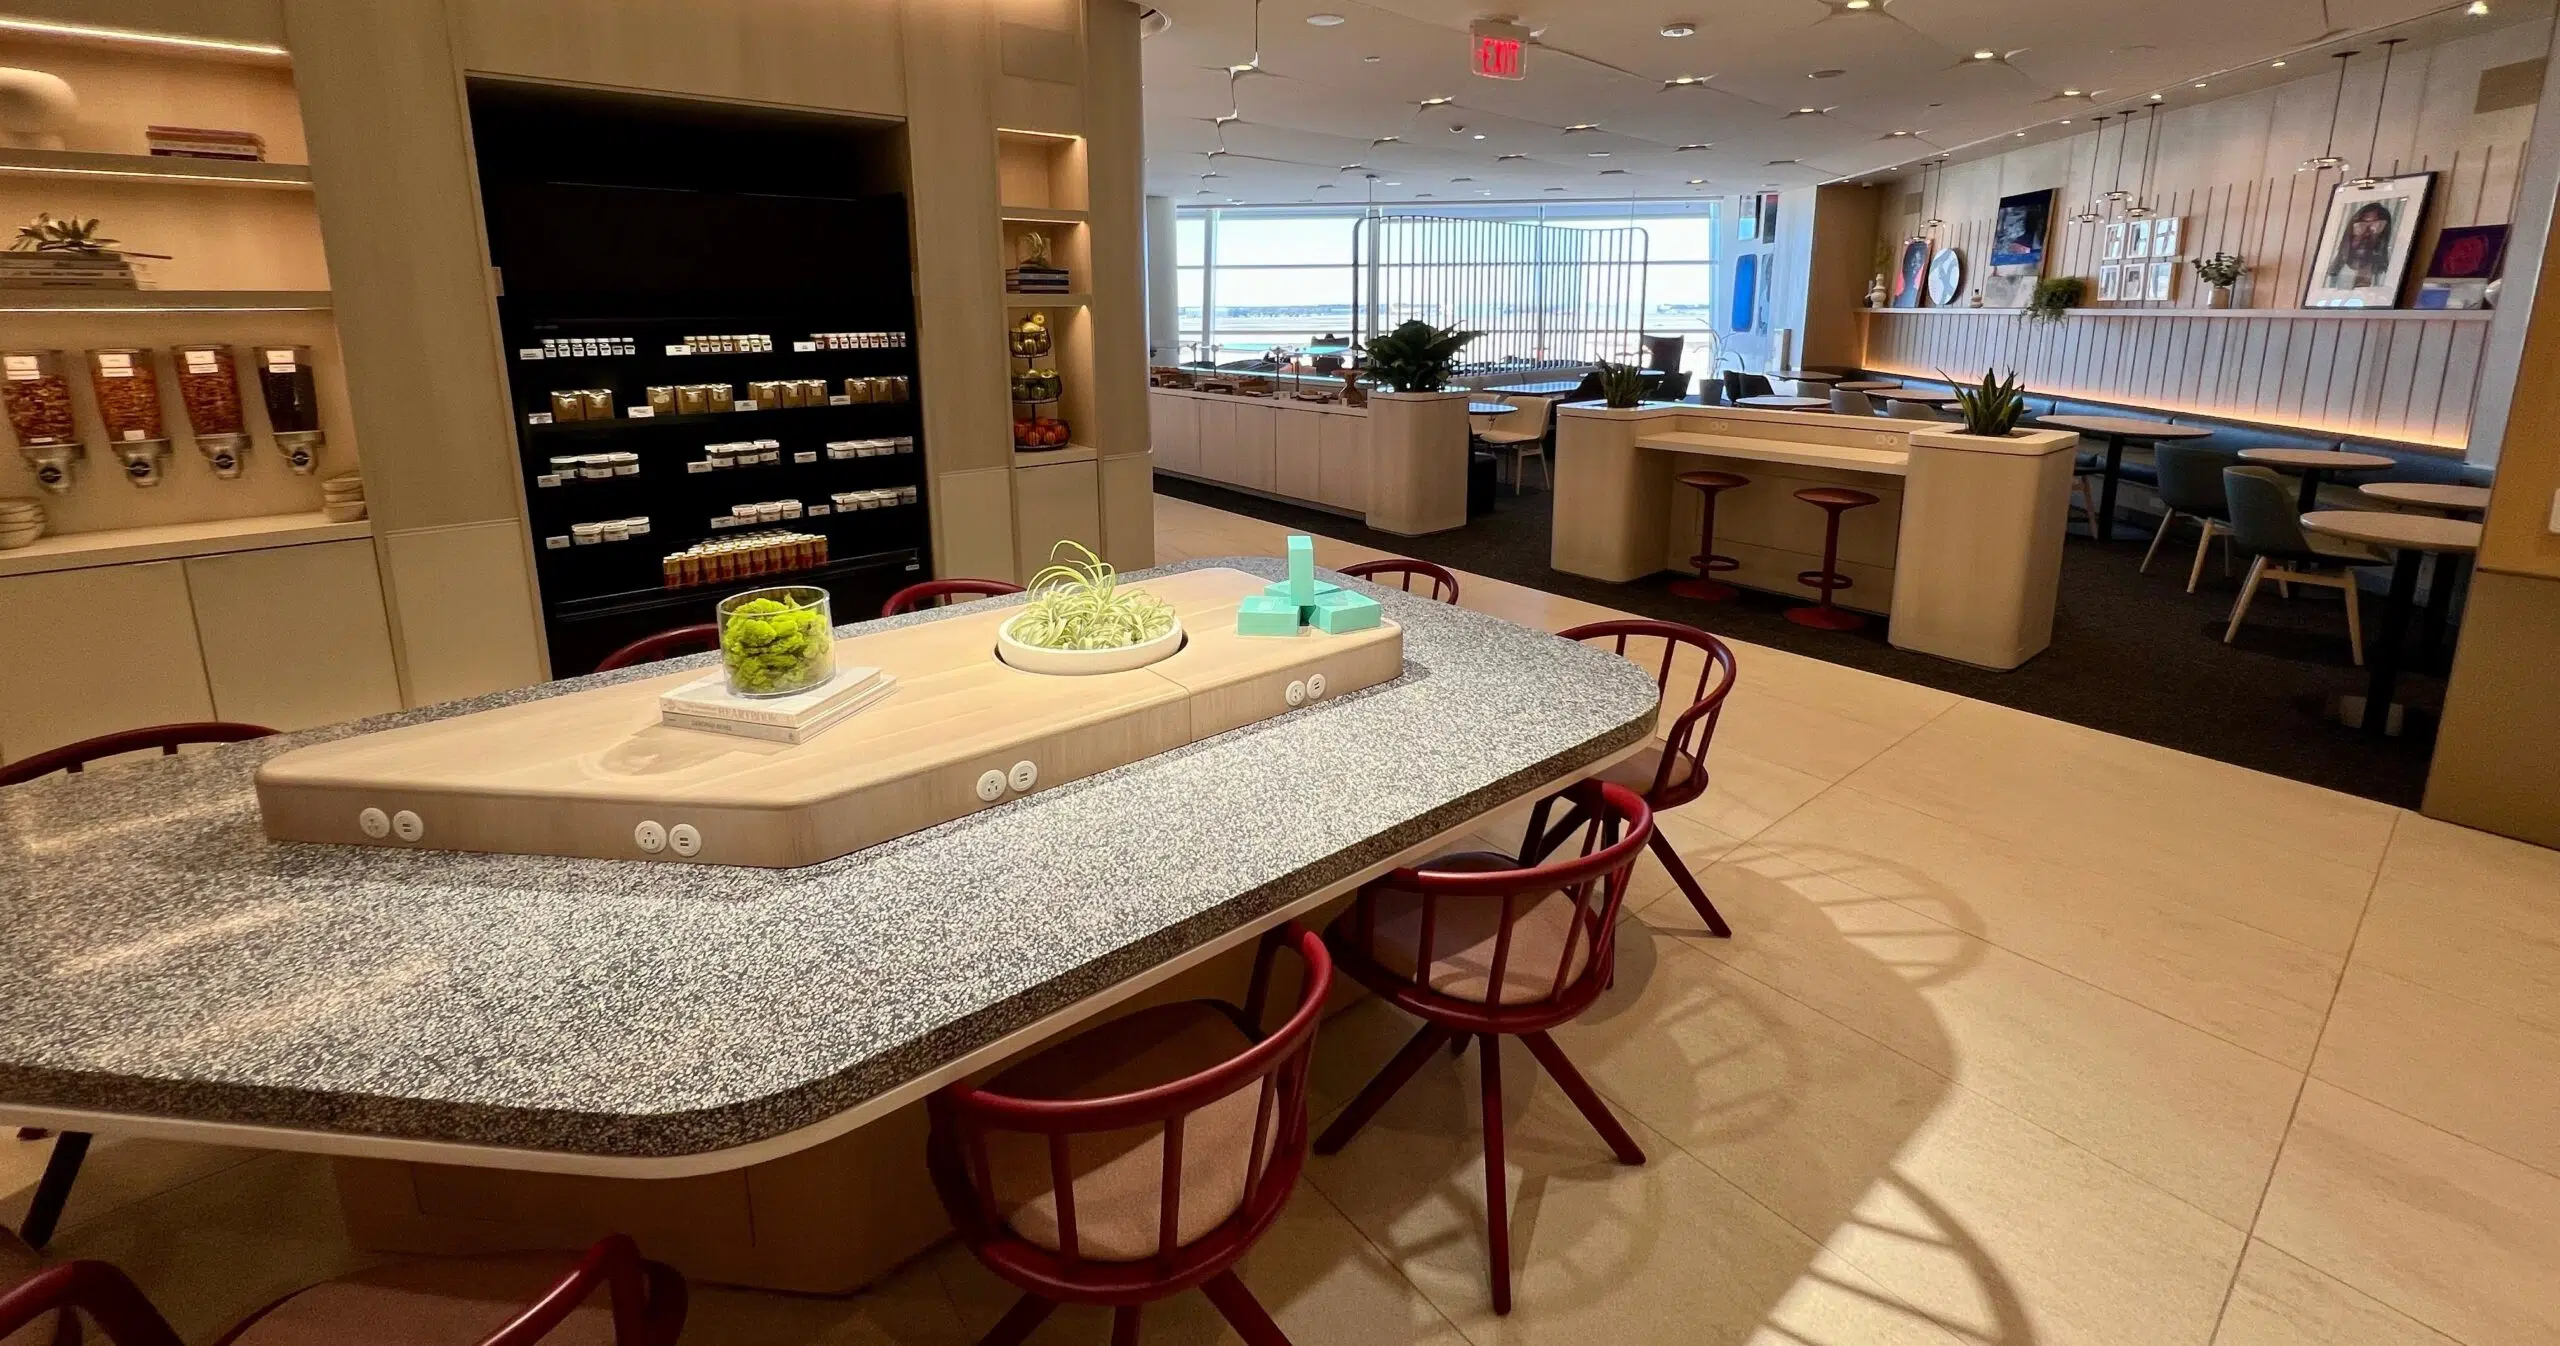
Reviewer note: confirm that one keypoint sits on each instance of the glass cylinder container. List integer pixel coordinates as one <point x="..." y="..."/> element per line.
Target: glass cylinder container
<point x="209" y="388"/>
<point x="286" y="385"/>
<point x="128" y="391"/>
<point x="778" y="641"/>
<point x="37" y="395"/>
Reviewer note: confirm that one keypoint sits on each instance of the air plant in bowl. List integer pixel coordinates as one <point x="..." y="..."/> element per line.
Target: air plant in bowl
<point x="1079" y="620"/>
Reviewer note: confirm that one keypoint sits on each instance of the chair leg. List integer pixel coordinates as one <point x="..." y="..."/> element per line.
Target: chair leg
<point x="1124" y="1325"/>
<point x="2167" y="517"/>
<point x="2248" y="590"/>
<point x="1242" y="1311"/>
<point x="2355" y="619"/>
<point x="1689" y="888"/>
<point x="54" y="1188"/>
<point x="1379" y="1090"/>
<point x="2204" y="544"/>
<point x="1019" y="1321"/>
<point x="1594" y="1109"/>
<point x="1497" y="1198"/>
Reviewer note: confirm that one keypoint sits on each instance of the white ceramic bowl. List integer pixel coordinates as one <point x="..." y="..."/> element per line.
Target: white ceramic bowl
<point x="1033" y="659"/>
<point x="346" y="513"/>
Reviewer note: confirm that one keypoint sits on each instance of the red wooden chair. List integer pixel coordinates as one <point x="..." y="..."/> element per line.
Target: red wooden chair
<point x="664" y="645"/>
<point x="1672" y="769"/>
<point x="1476" y="946"/>
<point x="1137" y="1159"/>
<point x="1444" y="586"/>
<point x="473" y="1301"/>
<point x="62" y="1168"/>
<point x="18" y="1263"/>
<point x="932" y="592"/>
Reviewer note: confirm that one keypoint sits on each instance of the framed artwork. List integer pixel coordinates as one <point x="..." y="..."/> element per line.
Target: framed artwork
<point x="1746" y="221"/>
<point x="2165" y="233"/>
<point x="1946" y="277"/>
<point x="2469" y="252"/>
<point x="2115" y="241"/>
<point x="1746" y="291"/>
<point x="2137" y="239"/>
<point x="1907" y="277"/>
<point x="2018" y="231"/>
<point x="2361" y="254"/>
<point x="1768" y="217"/>
<point x="2110" y="278"/>
<point x="2164" y="280"/>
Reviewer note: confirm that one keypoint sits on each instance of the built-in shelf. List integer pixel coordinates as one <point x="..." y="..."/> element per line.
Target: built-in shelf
<point x="164" y="301"/>
<point x="171" y="541"/>
<point x="1043" y="215"/>
<point x="1046" y="300"/>
<point x="2282" y="314"/>
<point x="1064" y="453"/>
<point x="154" y="168"/>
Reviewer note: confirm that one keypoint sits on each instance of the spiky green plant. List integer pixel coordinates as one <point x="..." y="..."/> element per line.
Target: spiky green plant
<point x="1416" y="357"/>
<point x="44" y="233"/>
<point x="1077" y="604"/>
<point x="1993" y="409"/>
<point x="2221" y="268"/>
<point x="1621" y="386"/>
<point x="2055" y="297"/>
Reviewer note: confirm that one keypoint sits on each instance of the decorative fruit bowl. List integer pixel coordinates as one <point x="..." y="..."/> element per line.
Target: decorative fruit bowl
<point x="1078" y="620"/>
<point x="1038" y="432"/>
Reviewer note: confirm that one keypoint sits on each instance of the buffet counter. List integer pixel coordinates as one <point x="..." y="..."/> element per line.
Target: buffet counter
<point x="1398" y="464"/>
<point x="1962" y="551"/>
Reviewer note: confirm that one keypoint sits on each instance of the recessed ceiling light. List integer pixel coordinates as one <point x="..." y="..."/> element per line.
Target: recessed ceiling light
<point x="1808" y="111"/>
<point x="1578" y="127"/>
<point x="2278" y="65"/>
<point x="1386" y="140"/>
<point x="1484" y="191"/>
<point x="2021" y="135"/>
<point x="1684" y="81"/>
<point x="1351" y="168"/>
<point x="1505" y="158"/>
<point x="1697" y="182"/>
<point x="1595" y="154"/>
<point x="2066" y="121"/>
<point x="1679" y="28"/>
<point x="2157" y="97"/>
<point x="1826" y="74"/>
<point x="1477" y="136"/>
<point x="1435" y="102"/>
<point x="1694" y="145"/>
<point x="1390" y="184"/>
<point x="1613" y="172"/>
<point x="1857" y="4"/>
<point x="1986" y="54"/>
<point x="1324" y="20"/>
<point x="2199" y="84"/>
<point x="1245" y="69"/>
<point x="1371" y="60"/>
<point x="1897" y="134"/>
<point x="1235" y="200"/>
<point x="1462" y="179"/>
<point x="1325" y="186"/>
<point x="2071" y="93"/>
<point x="1555" y="189"/>
<point x="2478" y="8"/>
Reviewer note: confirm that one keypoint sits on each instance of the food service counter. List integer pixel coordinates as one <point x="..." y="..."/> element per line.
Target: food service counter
<point x="1399" y="464"/>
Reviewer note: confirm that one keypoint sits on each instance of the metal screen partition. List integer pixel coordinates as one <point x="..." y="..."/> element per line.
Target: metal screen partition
<point x="1541" y="294"/>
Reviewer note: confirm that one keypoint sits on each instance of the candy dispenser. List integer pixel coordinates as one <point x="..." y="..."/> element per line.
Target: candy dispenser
<point x="209" y="389"/>
<point x="37" y="396"/>
<point x="292" y="395"/>
<point x="127" y="385"/>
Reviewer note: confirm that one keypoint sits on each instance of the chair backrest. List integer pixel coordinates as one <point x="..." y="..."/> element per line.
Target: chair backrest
<point x="1531" y="418"/>
<point x="932" y="592"/>
<point x="664" y="645"/>
<point x="109" y="1298"/>
<point x="1851" y="402"/>
<point x="1693" y="731"/>
<point x="1615" y="829"/>
<point x="1480" y="424"/>
<point x="1663" y="352"/>
<point x="1739" y="384"/>
<point x="1444" y="586"/>
<point x="966" y="1117"/>
<point x="2190" y="479"/>
<point x="168" y="738"/>
<point x="1673" y="388"/>
<point x="1916" y="411"/>
<point x="2263" y="516"/>
<point x="1588" y="390"/>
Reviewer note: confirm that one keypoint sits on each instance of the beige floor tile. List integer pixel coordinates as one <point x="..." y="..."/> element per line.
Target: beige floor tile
<point x="2444" y="1231"/>
<point x="118" y="1171"/>
<point x="2281" y="1302"/>
<point x="1817" y="740"/>
<point x="2480" y="1073"/>
<point x="2173" y="1105"/>
<point x="2469" y="914"/>
<point x="909" y="1308"/>
<point x="1746" y="793"/>
<point x="2166" y="951"/>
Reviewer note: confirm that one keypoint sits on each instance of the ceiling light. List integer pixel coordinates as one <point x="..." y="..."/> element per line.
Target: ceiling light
<point x="2278" y="65"/>
<point x="2479" y="9"/>
<point x="2199" y="84"/>
<point x="1351" y="168"/>
<point x="1986" y="54"/>
<point x="1390" y="184"/>
<point x="1386" y="140"/>
<point x="2072" y="93"/>
<point x="1613" y="172"/>
<point x="1435" y="102"/>
<point x="1694" y="145"/>
<point x="1679" y="28"/>
<point x="1206" y="176"/>
<point x="1478" y="136"/>
<point x="1579" y="127"/>
<point x="2066" y="121"/>
<point x="1697" y="182"/>
<point x="1325" y="186"/>
<point x="1857" y="4"/>
<point x="1462" y="179"/>
<point x="1808" y="111"/>
<point x="1235" y="200"/>
<point x="1245" y="69"/>
<point x="1684" y="81"/>
<point x="1555" y="189"/>
<point x="1324" y="20"/>
<point x="101" y="33"/>
<point x="1506" y="158"/>
<point x="2157" y="97"/>
<point x="1897" y="134"/>
<point x="1595" y="154"/>
<point x="2021" y="135"/>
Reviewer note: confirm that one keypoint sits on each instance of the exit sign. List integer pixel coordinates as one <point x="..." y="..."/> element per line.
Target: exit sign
<point x="1498" y="57"/>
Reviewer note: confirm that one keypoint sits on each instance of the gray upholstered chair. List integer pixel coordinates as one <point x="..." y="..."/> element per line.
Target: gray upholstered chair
<point x="1850" y="402"/>
<point x="2190" y="486"/>
<point x="2265" y="524"/>
<point x="1918" y="411"/>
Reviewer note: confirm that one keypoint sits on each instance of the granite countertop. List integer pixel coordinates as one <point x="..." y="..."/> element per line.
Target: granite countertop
<point x="165" y="959"/>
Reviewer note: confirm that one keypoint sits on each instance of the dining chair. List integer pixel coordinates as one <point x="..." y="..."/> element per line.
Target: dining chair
<point x="19" y="1263"/>
<point x="932" y="593"/>
<point x="1137" y="1159"/>
<point x="71" y="1148"/>
<point x="1444" y="585"/>
<point x="1851" y="402"/>
<point x="1522" y="442"/>
<point x="1917" y="411"/>
<point x="2264" y="523"/>
<point x="1739" y="384"/>
<point x="666" y="644"/>
<point x="2189" y="481"/>
<point x="1482" y="947"/>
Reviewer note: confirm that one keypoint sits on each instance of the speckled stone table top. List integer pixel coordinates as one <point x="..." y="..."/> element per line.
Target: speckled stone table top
<point x="163" y="959"/>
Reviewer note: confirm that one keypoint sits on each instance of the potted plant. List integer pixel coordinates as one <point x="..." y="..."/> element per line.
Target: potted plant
<point x="2055" y="297"/>
<point x="1991" y="410"/>
<point x="1621" y="386"/>
<point x="2219" y="273"/>
<point x="1079" y="620"/>
<point x="1416" y="357"/>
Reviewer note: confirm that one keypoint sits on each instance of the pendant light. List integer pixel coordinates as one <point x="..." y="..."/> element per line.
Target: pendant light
<point x="1933" y="224"/>
<point x="2116" y="192"/>
<point x="2366" y="181"/>
<point x="2089" y="209"/>
<point x="2328" y="157"/>
<point x="2141" y="207"/>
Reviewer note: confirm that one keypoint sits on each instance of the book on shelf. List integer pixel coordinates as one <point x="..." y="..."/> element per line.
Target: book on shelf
<point x="706" y="704"/>
<point x="197" y="142"/>
<point x="66" y="271"/>
<point x="1037" y="280"/>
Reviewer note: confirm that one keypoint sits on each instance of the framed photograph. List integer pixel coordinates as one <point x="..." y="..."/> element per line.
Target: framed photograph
<point x="2164" y="280"/>
<point x="1907" y="278"/>
<point x="2018" y="231"/>
<point x="2137" y="239"/>
<point x="1769" y="217"/>
<point x="2115" y="241"/>
<point x="1746" y="221"/>
<point x="2110" y="277"/>
<point x="1946" y="277"/>
<point x="2469" y="252"/>
<point x="2361" y="254"/>
<point x="2165" y="233"/>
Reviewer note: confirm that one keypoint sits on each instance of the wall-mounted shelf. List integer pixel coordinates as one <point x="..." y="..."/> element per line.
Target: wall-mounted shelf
<point x="1043" y="215"/>
<point x="169" y="541"/>
<point x="159" y="168"/>
<point x="164" y="301"/>
<point x="1047" y="300"/>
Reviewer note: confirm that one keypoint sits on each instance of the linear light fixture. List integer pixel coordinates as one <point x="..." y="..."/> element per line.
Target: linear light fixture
<point x="91" y="32"/>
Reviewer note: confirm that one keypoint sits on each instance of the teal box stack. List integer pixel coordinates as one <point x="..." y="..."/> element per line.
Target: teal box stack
<point x="1263" y="615"/>
<point x="1339" y="613"/>
<point x="1302" y="600"/>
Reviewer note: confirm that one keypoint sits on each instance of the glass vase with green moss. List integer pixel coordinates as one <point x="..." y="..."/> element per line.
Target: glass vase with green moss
<point x="777" y="642"/>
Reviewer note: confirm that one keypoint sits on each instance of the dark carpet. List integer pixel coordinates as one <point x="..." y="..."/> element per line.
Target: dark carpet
<point x="2132" y="654"/>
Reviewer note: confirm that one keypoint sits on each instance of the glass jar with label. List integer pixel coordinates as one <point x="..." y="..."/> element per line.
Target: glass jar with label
<point x="37" y="395"/>
<point x="286" y="385"/>
<point x="128" y="391"/>
<point x="209" y="389"/>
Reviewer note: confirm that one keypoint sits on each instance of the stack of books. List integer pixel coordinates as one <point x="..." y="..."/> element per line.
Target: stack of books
<point x="707" y="705"/>
<point x="196" y="142"/>
<point x="66" y="271"/>
<point x="1028" y="279"/>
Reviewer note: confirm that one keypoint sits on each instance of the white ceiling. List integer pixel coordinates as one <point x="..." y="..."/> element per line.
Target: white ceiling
<point x="1314" y="103"/>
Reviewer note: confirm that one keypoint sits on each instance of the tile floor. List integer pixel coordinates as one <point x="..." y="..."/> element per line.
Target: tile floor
<point x="2028" y="1034"/>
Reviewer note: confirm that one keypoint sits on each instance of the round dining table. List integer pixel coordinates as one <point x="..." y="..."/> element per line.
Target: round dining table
<point x="1936" y="397"/>
<point x="1780" y="402"/>
<point x="2429" y="495"/>
<point x="1865" y="385"/>
<point x="1806" y="376"/>
<point x="2115" y="432"/>
<point x="2410" y="538"/>
<point x="2315" y="465"/>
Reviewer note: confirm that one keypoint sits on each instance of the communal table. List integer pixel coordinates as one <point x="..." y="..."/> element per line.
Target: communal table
<point x="179" y="974"/>
<point x="1780" y="402"/>
<point x="2117" y="431"/>
<point x="2315" y="465"/>
<point x="2410" y="538"/>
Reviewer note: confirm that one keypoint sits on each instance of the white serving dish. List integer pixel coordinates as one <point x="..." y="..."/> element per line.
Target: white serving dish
<point x="1033" y="659"/>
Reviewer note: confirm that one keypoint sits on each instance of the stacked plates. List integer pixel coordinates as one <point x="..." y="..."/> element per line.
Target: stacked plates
<point x="21" y="521"/>
<point x="342" y="498"/>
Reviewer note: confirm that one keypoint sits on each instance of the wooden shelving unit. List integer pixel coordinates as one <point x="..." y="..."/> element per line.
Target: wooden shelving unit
<point x="165" y="301"/>
<point x="154" y="168"/>
<point x="1047" y="300"/>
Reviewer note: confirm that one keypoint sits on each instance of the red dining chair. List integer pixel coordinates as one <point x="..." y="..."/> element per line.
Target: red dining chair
<point x="665" y="645"/>
<point x="1672" y="769"/>
<point x="931" y="592"/>
<point x="1137" y="1159"/>
<point x="1475" y="945"/>
<point x="71" y="1148"/>
<point x="1444" y="586"/>
<point x="19" y="1263"/>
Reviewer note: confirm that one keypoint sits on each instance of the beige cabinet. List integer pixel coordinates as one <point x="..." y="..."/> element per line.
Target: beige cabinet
<point x="89" y="652"/>
<point x="1294" y="473"/>
<point x="1053" y="503"/>
<point x="1342" y="462"/>
<point x="1174" y="428"/>
<point x="294" y="637"/>
<point x="1217" y="438"/>
<point x="1255" y="457"/>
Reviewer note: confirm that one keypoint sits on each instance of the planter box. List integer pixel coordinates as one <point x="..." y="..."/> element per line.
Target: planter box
<point x="1981" y="557"/>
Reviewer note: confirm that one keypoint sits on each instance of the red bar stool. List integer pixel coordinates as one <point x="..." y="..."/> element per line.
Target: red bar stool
<point x="1137" y="1159"/>
<point x="1476" y="946"/>
<point x="1833" y="501"/>
<point x="931" y="593"/>
<point x="1705" y="588"/>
